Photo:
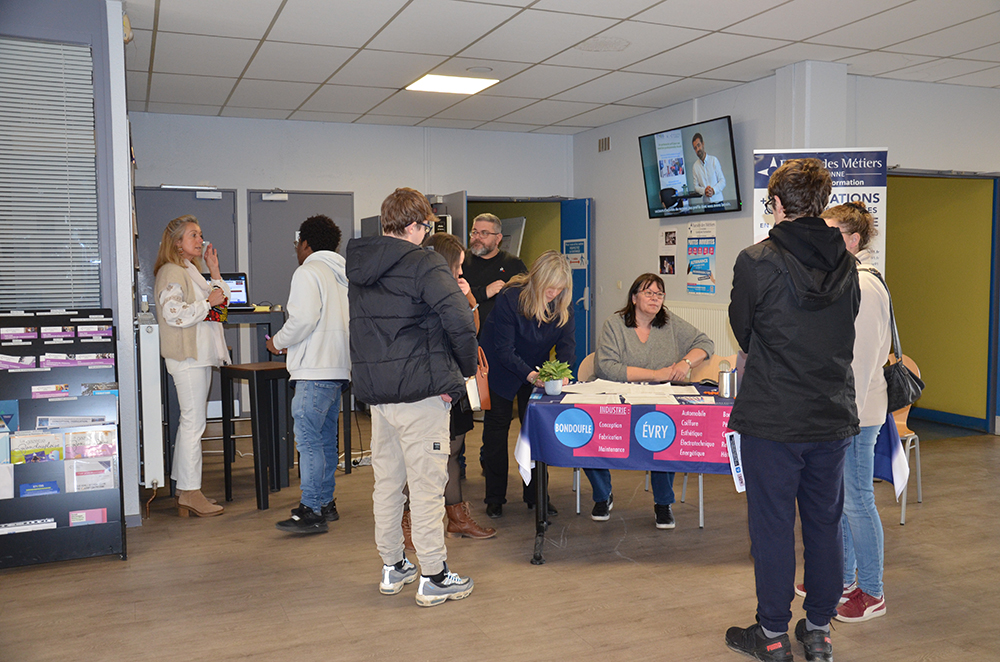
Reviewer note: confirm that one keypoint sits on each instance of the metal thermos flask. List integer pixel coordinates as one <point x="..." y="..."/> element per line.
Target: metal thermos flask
<point x="727" y="384"/>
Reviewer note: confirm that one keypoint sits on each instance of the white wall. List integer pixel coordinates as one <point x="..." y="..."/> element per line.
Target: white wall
<point x="925" y="126"/>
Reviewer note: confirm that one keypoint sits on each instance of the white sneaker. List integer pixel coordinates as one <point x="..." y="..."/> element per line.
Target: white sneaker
<point x="394" y="578"/>
<point x="452" y="587"/>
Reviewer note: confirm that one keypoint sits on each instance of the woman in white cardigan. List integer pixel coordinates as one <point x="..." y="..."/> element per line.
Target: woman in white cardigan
<point x="863" y="598"/>
<point x="191" y="343"/>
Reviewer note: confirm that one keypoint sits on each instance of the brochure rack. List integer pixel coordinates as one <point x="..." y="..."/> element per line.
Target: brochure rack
<point x="62" y="499"/>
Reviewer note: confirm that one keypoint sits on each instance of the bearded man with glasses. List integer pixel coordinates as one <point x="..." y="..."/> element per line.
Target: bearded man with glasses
<point x="487" y="268"/>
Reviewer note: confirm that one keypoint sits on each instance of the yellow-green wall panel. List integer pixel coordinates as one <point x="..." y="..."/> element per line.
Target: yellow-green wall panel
<point x="938" y="243"/>
<point x="542" y="226"/>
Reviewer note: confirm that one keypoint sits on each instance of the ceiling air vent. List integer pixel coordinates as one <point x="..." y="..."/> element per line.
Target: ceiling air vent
<point x="603" y="144"/>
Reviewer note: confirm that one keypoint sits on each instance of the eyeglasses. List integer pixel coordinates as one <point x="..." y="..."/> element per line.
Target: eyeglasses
<point x="652" y="294"/>
<point x="769" y="205"/>
<point x="426" y="226"/>
<point x="482" y="233"/>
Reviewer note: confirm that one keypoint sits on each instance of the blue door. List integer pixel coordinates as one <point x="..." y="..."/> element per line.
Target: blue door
<point x="575" y="235"/>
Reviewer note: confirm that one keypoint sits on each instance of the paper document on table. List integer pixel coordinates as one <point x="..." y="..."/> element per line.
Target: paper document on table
<point x="593" y="388"/>
<point x="590" y="399"/>
<point x="650" y="399"/>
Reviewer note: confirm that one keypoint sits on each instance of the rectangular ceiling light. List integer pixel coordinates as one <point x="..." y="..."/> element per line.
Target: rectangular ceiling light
<point x="451" y="84"/>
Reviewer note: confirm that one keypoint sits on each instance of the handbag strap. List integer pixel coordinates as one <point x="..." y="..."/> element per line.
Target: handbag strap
<point x="483" y="364"/>
<point x="896" y="349"/>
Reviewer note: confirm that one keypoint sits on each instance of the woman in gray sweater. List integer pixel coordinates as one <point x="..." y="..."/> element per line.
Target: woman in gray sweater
<point x="644" y="342"/>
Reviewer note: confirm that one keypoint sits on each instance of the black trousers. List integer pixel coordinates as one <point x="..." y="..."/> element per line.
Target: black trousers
<point x="496" y="449"/>
<point x="779" y="475"/>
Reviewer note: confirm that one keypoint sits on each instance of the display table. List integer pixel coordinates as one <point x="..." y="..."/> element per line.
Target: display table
<point x="687" y="437"/>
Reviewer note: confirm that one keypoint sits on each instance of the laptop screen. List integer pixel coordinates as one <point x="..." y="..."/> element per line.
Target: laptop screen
<point x="237" y="283"/>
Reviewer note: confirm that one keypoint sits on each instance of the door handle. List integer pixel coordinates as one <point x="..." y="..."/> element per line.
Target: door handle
<point x="585" y="299"/>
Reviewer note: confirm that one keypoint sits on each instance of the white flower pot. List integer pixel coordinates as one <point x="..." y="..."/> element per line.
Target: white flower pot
<point x="553" y="387"/>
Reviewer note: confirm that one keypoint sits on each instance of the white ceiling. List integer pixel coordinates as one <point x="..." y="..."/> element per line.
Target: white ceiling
<point x="565" y="66"/>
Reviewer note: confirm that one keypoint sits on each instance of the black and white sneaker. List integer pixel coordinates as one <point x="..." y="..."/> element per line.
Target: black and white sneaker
<point x="754" y="643"/>
<point x="303" y="520"/>
<point x="602" y="509"/>
<point x="664" y="516"/>
<point x="816" y="643"/>
<point x="329" y="512"/>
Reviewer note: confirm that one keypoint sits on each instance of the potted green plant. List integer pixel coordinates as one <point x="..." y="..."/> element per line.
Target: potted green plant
<point x="553" y="373"/>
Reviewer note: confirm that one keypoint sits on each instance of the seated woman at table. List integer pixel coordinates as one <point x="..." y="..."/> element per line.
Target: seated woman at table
<point x="645" y="342"/>
<point x="532" y="314"/>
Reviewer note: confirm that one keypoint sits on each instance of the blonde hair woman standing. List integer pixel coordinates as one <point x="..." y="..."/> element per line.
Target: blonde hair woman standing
<point x="532" y="314"/>
<point x="190" y="310"/>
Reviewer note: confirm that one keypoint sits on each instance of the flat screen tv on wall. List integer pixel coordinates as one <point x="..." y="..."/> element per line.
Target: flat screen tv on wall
<point x="691" y="169"/>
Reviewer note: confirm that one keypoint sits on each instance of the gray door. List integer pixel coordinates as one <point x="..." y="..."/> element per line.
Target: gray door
<point x="272" y="226"/>
<point x="454" y="205"/>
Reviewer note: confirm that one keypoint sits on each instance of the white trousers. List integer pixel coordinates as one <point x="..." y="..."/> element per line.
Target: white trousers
<point x="192" y="395"/>
<point x="410" y="445"/>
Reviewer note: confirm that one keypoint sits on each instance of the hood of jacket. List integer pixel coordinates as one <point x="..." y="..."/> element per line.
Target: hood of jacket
<point x="819" y="266"/>
<point x="369" y="258"/>
<point x="336" y="262"/>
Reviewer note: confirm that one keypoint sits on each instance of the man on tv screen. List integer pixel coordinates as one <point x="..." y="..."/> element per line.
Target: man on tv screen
<point x="708" y="178"/>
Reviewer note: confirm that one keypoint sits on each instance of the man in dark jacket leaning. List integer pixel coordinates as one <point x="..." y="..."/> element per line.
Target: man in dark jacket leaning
<point x="412" y="341"/>
<point x="794" y="299"/>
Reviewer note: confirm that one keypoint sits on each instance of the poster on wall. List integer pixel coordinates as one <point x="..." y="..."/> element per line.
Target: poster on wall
<point x="701" y="258"/>
<point x="859" y="175"/>
<point x="668" y="252"/>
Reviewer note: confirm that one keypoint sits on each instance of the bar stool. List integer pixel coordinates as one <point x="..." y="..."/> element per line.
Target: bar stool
<point x="269" y="431"/>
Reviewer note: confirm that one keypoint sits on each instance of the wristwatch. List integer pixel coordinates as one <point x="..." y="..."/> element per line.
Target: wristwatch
<point x="690" y="365"/>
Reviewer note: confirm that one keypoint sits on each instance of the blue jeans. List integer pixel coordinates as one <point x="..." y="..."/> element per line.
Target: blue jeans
<point x="863" y="550"/>
<point x="316" y="411"/>
<point x="661" y="481"/>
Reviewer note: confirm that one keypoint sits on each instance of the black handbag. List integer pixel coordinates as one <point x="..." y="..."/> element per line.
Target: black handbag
<point x="903" y="388"/>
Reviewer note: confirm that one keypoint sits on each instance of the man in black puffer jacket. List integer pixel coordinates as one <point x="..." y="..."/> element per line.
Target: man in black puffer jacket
<point x="412" y="340"/>
<point x="794" y="299"/>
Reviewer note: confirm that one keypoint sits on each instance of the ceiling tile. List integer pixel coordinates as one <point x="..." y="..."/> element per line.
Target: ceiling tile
<point x="936" y="70"/>
<point x="438" y="123"/>
<point x="760" y="66"/>
<point x="255" y="113"/>
<point x="543" y="80"/>
<point x="388" y="120"/>
<point x="272" y="94"/>
<point x="874" y="63"/>
<point x="562" y="130"/>
<point x="616" y="85"/>
<point x="224" y="18"/>
<point x="333" y="22"/>
<point x="482" y="108"/>
<point x="616" y="9"/>
<point x="199" y="90"/>
<point x="705" y="54"/>
<point x="135" y="85"/>
<point x="384" y="69"/>
<point x="548" y="112"/>
<point x="537" y="35"/>
<point x="801" y="19"/>
<point x="605" y="115"/>
<point x="417" y="104"/>
<point x="347" y="99"/>
<point x="705" y="14"/>
<point x="140" y="13"/>
<point x="310" y="116"/>
<point x="459" y="66"/>
<point x="136" y="106"/>
<point x="956" y="39"/>
<point x="203" y="56"/>
<point x="182" y="109"/>
<point x="682" y="90"/>
<point x="908" y="21"/>
<point x="989" y="53"/>
<point x="137" y="53"/>
<point x="643" y="40"/>
<point x="509" y="126"/>
<point x="278" y="60"/>
<point x="439" y="27"/>
<point x="985" y="78"/>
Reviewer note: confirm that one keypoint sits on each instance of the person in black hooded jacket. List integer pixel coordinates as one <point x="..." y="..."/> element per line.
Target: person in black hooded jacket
<point x="794" y="299"/>
<point x="413" y="340"/>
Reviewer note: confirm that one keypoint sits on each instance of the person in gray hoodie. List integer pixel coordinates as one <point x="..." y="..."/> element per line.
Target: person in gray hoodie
<point x="315" y="338"/>
<point x="794" y="299"/>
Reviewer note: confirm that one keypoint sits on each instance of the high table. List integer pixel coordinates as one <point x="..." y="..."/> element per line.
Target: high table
<point x="686" y="437"/>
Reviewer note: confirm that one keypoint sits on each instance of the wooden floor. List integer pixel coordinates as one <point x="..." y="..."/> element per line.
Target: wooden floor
<point x="235" y="588"/>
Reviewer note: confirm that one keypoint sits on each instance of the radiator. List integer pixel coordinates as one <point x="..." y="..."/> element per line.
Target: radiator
<point x="710" y="318"/>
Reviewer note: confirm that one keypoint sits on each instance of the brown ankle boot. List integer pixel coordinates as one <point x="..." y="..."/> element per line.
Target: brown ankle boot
<point x="461" y="524"/>
<point x="193" y="502"/>
<point x="407" y="533"/>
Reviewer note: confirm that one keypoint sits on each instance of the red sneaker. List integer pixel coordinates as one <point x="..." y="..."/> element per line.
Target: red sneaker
<point x="800" y="589"/>
<point x="860" y="607"/>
